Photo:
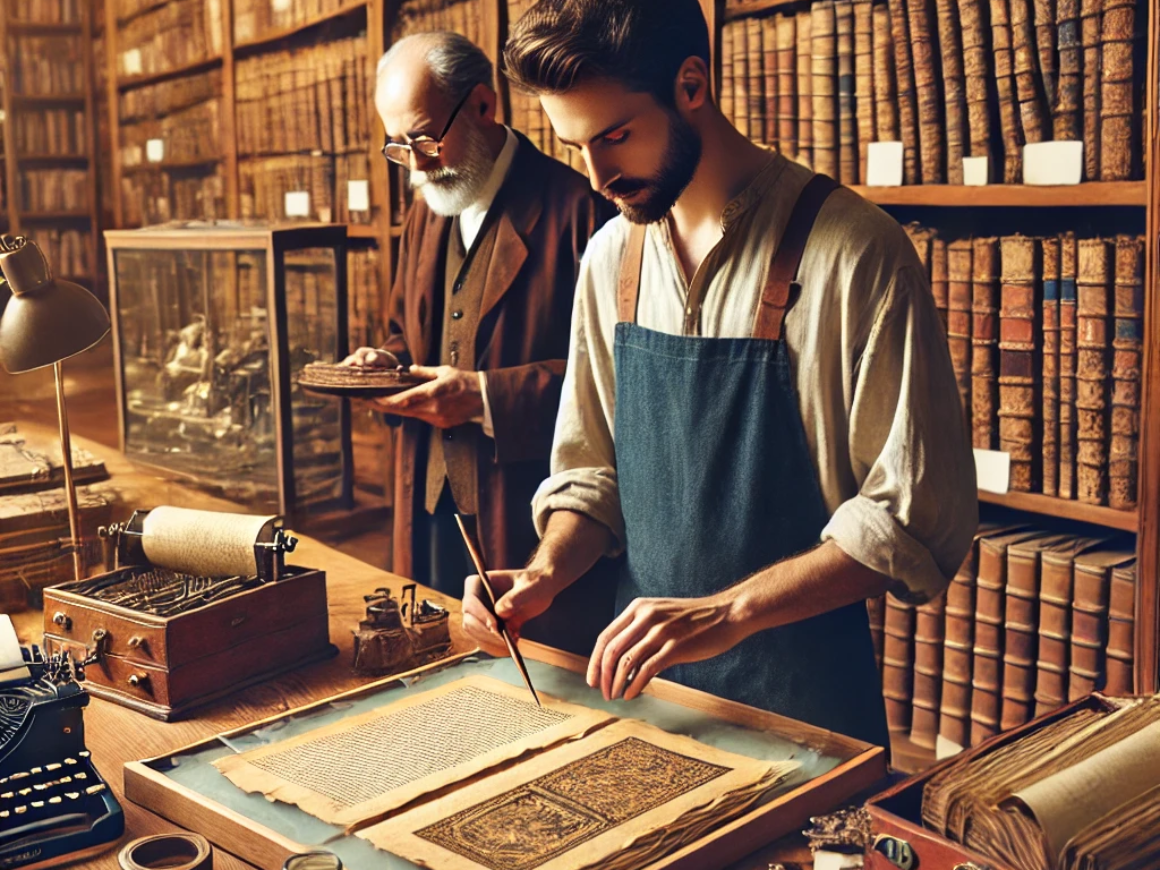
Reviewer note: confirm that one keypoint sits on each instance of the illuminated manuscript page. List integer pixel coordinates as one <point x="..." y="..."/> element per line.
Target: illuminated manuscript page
<point x="620" y="798"/>
<point x="369" y="765"/>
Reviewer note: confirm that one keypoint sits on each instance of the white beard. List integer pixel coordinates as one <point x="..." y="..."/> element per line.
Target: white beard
<point x="451" y="189"/>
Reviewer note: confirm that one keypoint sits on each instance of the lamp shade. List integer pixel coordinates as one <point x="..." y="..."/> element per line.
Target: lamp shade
<point x="46" y="320"/>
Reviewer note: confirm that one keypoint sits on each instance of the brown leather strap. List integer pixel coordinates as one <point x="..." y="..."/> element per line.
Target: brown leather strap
<point x="781" y="285"/>
<point x="628" y="291"/>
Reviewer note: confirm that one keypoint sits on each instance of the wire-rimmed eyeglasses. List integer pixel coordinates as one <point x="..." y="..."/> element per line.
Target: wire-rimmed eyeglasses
<point x="425" y="146"/>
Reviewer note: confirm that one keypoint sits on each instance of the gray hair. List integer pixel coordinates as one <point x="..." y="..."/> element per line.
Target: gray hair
<point x="457" y="64"/>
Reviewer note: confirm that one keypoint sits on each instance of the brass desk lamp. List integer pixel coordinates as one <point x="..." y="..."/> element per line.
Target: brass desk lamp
<point x="45" y="322"/>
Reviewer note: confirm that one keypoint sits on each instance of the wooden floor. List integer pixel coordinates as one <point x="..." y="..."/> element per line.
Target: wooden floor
<point x="90" y="395"/>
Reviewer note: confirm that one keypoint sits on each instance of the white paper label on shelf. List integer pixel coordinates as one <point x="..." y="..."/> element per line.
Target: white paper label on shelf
<point x="993" y="470"/>
<point x="975" y="171"/>
<point x="281" y="5"/>
<point x="944" y="748"/>
<point x="133" y="62"/>
<point x="1059" y="162"/>
<point x="884" y="164"/>
<point x="824" y="860"/>
<point x="324" y="214"/>
<point x="358" y="195"/>
<point x="155" y="150"/>
<point x="298" y="203"/>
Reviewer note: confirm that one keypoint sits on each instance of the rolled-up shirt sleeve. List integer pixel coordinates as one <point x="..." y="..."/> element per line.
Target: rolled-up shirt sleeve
<point x="916" y="509"/>
<point x="583" y="462"/>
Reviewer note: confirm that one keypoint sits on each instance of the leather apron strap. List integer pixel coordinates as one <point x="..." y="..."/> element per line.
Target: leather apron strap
<point x="628" y="288"/>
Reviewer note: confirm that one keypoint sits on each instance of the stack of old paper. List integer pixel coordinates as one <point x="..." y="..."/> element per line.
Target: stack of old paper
<point x="1068" y="795"/>
<point x="473" y="774"/>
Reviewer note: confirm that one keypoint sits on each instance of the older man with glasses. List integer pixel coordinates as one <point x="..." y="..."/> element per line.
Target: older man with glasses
<point x="480" y="307"/>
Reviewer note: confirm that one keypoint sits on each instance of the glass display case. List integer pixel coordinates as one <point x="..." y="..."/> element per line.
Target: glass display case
<point x="212" y="323"/>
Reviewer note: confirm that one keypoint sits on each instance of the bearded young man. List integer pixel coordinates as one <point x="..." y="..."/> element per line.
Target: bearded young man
<point x="480" y="306"/>
<point x="759" y="407"/>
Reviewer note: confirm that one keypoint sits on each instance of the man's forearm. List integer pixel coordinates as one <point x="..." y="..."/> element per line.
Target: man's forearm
<point x="807" y="585"/>
<point x="571" y="545"/>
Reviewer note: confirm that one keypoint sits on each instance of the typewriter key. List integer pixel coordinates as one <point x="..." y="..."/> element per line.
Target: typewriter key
<point x="72" y="795"/>
<point x="8" y="795"/>
<point x="37" y="770"/>
<point x="95" y="789"/>
<point x="57" y="799"/>
<point x="70" y="761"/>
<point x="81" y="775"/>
<point x="53" y="766"/>
<point x="24" y="792"/>
<point x="38" y="805"/>
<point x="84" y="753"/>
<point x="4" y="814"/>
<point x="20" y="810"/>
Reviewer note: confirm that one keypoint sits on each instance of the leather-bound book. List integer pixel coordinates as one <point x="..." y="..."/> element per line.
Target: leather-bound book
<point x="864" y="80"/>
<point x="985" y="343"/>
<point x="1020" y="336"/>
<point x="1121" y="631"/>
<point x="977" y="67"/>
<point x="928" y="92"/>
<point x="959" y="293"/>
<point x="1127" y="352"/>
<point x="1050" y="386"/>
<point x="1045" y="47"/>
<point x="1033" y="112"/>
<point x="823" y="67"/>
<point x="805" y="88"/>
<point x="726" y="87"/>
<point x="1067" y="110"/>
<point x="1090" y="36"/>
<point x="939" y="279"/>
<point x="741" y="76"/>
<point x="885" y="82"/>
<point x="1021" y="625"/>
<point x="1119" y="113"/>
<point x="954" y="87"/>
<point x="954" y="724"/>
<point x="755" y="87"/>
<point x="876" y="614"/>
<point x="1056" y="582"/>
<point x="1089" y="615"/>
<point x="847" y="126"/>
<point x="1092" y="382"/>
<point x="769" y="70"/>
<point x="1068" y="256"/>
<point x="906" y="96"/>
<point x="1010" y="128"/>
<point x="787" y="100"/>
<point x="987" y="659"/>
<point x="898" y="664"/>
<point x="928" y="672"/>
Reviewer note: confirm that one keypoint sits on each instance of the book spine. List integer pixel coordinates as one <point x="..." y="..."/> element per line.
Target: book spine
<point x="986" y="662"/>
<point x="1020" y="647"/>
<point x="928" y="93"/>
<point x="1047" y="52"/>
<point x="885" y="88"/>
<point x="984" y="342"/>
<point x="958" y="647"/>
<point x="741" y="78"/>
<point x="1050" y="387"/>
<point x="928" y="672"/>
<point x="1127" y="353"/>
<point x="876" y="614"/>
<point x="787" y="99"/>
<point x="726" y="89"/>
<point x="1054" y="631"/>
<point x="1067" y="118"/>
<point x="847" y="126"/>
<point x="954" y="87"/>
<point x="1033" y="114"/>
<point x="769" y="67"/>
<point x="977" y="75"/>
<point x="1091" y="12"/>
<point x="906" y="95"/>
<point x="1089" y="629"/>
<point x="1019" y="351"/>
<point x="1068" y="256"/>
<point x="823" y="87"/>
<point x="1121" y="631"/>
<point x="755" y="88"/>
<point x="959" y="316"/>
<point x="898" y="664"/>
<point x="1119" y="135"/>
<point x="805" y="92"/>
<point x="939" y="281"/>
<point x="1093" y="315"/>
<point x="864" y="80"/>
<point x="1009" y="126"/>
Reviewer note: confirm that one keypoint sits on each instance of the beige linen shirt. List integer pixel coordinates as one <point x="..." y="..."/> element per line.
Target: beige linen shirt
<point x="874" y="381"/>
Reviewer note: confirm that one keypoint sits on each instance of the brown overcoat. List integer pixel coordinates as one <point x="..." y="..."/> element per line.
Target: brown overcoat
<point x="548" y="213"/>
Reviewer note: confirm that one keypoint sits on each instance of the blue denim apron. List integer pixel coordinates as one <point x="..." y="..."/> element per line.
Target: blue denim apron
<point x="717" y="482"/>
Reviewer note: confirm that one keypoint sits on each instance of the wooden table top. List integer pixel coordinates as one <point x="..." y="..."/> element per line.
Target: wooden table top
<point x="116" y="735"/>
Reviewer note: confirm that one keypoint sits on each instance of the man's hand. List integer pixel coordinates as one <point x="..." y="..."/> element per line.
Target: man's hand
<point x="372" y="358"/>
<point x="450" y="397"/>
<point x="655" y="633"/>
<point x="522" y="595"/>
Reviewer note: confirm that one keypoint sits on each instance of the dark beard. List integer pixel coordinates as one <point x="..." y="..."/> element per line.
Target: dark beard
<point x="663" y="189"/>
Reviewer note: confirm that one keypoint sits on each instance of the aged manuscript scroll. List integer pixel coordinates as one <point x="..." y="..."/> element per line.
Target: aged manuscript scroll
<point x="620" y="798"/>
<point x="367" y="766"/>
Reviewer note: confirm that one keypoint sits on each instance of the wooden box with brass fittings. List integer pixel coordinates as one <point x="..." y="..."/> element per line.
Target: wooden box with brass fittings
<point x="162" y="640"/>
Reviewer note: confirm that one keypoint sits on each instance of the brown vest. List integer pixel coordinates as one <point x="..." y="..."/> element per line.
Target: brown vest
<point x="452" y="456"/>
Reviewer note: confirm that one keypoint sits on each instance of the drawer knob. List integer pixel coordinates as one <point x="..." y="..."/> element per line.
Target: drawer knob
<point x="136" y="641"/>
<point x="61" y="618"/>
<point x="136" y="680"/>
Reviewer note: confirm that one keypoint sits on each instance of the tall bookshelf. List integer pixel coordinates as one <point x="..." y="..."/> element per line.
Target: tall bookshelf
<point x="49" y="137"/>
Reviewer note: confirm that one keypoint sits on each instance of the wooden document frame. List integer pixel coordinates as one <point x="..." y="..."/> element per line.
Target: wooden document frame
<point x="861" y="766"/>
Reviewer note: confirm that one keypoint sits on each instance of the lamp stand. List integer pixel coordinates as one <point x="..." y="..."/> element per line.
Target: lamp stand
<point x="69" y="487"/>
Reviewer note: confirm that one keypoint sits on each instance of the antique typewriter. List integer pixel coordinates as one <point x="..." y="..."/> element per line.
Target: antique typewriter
<point x="53" y="802"/>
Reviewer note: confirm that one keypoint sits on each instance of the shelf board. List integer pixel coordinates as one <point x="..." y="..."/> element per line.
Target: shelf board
<point x="175" y="73"/>
<point x="362" y="231"/>
<point x="43" y="28"/>
<point x="283" y="33"/>
<point x="54" y="215"/>
<point x="47" y="99"/>
<point x="1047" y="505"/>
<point x="1131" y="193"/>
<point x="171" y="165"/>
